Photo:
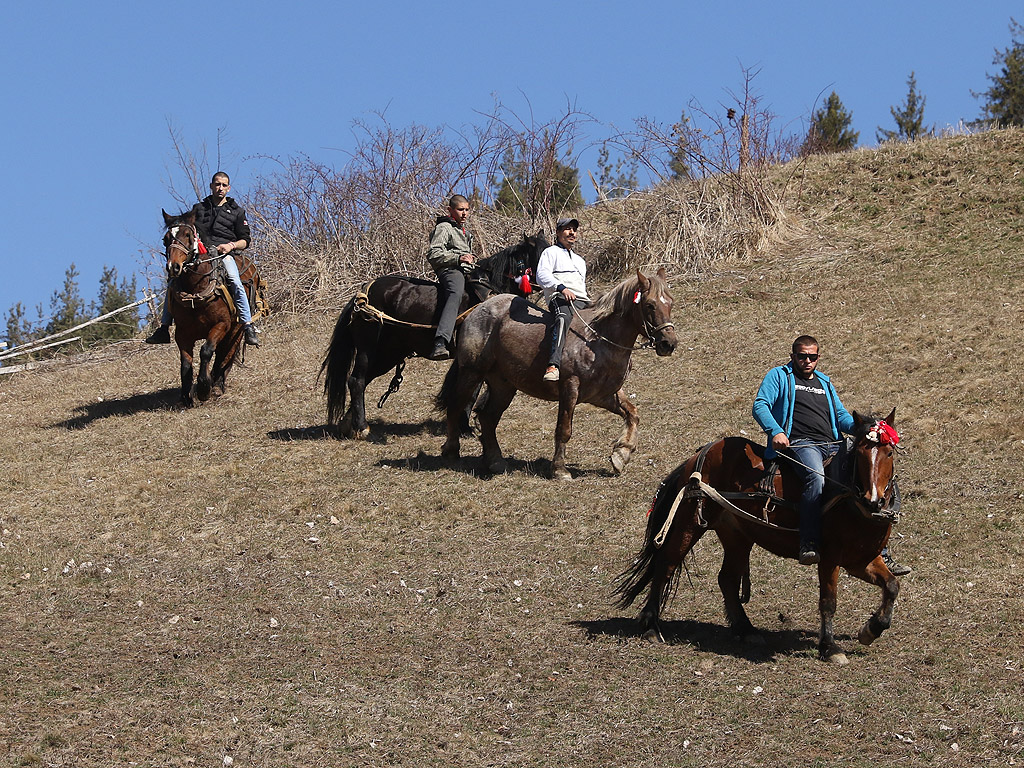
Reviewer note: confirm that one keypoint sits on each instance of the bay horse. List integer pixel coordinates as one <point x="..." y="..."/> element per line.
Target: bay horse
<point x="505" y="343"/>
<point x="859" y="508"/>
<point x="393" y="318"/>
<point x="199" y="306"/>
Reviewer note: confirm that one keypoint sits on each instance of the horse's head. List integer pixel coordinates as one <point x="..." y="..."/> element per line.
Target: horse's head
<point x="873" y="464"/>
<point x="182" y="245"/>
<point x="655" y="305"/>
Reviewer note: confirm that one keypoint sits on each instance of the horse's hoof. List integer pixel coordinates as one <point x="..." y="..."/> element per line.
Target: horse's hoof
<point x="499" y="467"/>
<point x="560" y="474"/>
<point x="620" y="458"/>
<point x="866" y="636"/>
<point x="362" y="434"/>
<point x="449" y="456"/>
<point x="839" y="659"/>
<point x="653" y="635"/>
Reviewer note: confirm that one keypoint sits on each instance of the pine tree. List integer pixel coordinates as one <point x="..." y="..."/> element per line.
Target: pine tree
<point x="679" y="155"/>
<point x="909" y="117"/>
<point x="1004" y="100"/>
<point x="616" y="179"/>
<point x="540" y="186"/>
<point x="830" y="129"/>
<point x="113" y="295"/>
<point x="66" y="306"/>
<point x="19" y="329"/>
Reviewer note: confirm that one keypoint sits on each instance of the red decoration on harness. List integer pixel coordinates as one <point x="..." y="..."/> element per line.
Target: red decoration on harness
<point x="524" y="284"/>
<point x="887" y="435"/>
<point x="636" y="297"/>
<point x="200" y="247"/>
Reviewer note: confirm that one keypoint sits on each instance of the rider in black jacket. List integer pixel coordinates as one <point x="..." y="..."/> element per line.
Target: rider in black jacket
<point x="223" y="225"/>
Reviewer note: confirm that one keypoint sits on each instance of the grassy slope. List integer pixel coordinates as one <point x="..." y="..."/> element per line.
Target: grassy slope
<point x="214" y="607"/>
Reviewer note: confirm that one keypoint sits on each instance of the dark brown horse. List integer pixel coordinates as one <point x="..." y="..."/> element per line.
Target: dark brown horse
<point x="718" y="488"/>
<point x="199" y="306"/>
<point x="505" y="343"/>
<point x="394" y="318"/>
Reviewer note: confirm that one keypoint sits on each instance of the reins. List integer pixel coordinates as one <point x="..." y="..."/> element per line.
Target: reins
<point x="647" y="329"/>
<point x="362" y="304"/>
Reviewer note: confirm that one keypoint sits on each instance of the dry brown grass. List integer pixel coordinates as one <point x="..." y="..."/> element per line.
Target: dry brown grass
<point x="228" y="581"/>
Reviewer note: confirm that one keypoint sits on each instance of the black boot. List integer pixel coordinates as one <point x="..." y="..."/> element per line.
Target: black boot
<point x="440" y="350"/>
<point x="161" y="335"/>
<point x="809" y="553"/>
<point x="896" y="569"/>
<point x="250" y="335"/>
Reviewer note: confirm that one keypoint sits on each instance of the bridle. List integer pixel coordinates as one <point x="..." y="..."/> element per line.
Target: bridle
<point x="193" y="261"/>
<point x="647" y="328"/>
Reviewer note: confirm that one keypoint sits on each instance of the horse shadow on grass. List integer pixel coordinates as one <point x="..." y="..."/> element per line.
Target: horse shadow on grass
<point x="380" y="431"/>
<point x="164" y="400"/>
<point x="473" y="467"/>
<point x="715" y="638"/>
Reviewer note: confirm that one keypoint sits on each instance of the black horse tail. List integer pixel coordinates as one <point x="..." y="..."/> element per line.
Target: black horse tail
<point x="338" y="363"/>
<point x="446" y="396"/>
<point x="638" y="576"/>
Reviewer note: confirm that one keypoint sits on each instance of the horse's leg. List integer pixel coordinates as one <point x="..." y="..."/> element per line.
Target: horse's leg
<point x="828" y="585"/>
<point x="459" y="389"/>
<point x="622" y="451"/>
<point x="568" y="391"/>
<point x="876" y="572"/>
<point x="354" y="423"/>
<point x="735" y="569"/>
<point x="187" y="373"/>
<point x="498" y="399"/>
<point x="686" y="532"/>
<point x="204" y="383"/>
<point x="227" y="351"/>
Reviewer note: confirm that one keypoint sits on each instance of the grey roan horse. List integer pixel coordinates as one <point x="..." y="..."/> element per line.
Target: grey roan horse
<point x="505" y="342"/>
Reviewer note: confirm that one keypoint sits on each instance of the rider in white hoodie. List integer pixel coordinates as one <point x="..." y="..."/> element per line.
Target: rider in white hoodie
<point x="562" y="273"/>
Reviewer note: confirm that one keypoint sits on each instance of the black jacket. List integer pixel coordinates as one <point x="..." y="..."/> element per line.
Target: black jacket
<point x="221" y="223"/>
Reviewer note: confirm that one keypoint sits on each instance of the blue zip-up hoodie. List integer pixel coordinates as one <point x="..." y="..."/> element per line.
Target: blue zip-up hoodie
<point x="773" y="406"/>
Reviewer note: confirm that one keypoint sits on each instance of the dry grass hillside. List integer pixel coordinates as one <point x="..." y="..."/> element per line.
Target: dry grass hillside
<point x="231" y="585"/>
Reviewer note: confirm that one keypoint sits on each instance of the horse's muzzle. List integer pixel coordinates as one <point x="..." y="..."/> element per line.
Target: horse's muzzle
<point x="174" y="268"/>
<point x="666" y="343"/>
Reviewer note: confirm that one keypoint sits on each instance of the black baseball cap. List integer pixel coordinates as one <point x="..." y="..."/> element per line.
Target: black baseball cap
<point x="566" y="223"/>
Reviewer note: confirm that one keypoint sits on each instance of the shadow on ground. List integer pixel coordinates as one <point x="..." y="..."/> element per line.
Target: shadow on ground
<point x="472" y="465"/>
<point x="718" y="638"/>
<point x="86" y="414"/>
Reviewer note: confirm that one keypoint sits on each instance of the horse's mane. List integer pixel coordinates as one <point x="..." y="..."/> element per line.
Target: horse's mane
<point x="499" y="266"/>
<point x="612" y="301"/>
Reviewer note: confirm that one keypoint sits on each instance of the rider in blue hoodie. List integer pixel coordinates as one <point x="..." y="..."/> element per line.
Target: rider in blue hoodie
<point x="799" y="410"/>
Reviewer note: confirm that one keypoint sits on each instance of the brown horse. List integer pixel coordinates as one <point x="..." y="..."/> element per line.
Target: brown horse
<point x="505" y="343"/>
<point x="199" y="306"/>
<point x="862" y="504"/>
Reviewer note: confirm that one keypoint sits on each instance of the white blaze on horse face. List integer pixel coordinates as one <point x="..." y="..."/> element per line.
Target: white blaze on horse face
<point x="663" y="300"/>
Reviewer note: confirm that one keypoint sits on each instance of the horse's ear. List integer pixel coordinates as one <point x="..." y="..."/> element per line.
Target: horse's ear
<point x="167" y="218"/>
<point x="540" y="233"/>
<point x="645" y="283"/>
<point x="858" y="420"/>
<point x="891" y="418"/>
<point x="662" y="273"/>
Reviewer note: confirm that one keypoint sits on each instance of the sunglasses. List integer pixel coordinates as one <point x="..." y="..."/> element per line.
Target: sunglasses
<point x="812" y="356"/>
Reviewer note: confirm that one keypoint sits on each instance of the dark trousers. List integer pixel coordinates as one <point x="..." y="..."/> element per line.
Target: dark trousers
<point x="563" y="311"/>
<point x="453" y="287"/>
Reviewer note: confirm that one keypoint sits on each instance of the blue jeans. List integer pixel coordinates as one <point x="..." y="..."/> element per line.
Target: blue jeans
<point x="237" y="293"/>
<point x="812" y="483"/>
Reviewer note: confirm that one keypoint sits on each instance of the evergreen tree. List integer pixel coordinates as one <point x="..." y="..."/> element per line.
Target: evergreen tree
<point x="66" y="306"/>
<point x="909" y="117"/>
<point x="1004" y="100"/>
<point x="830" y="129"/>
<point x="19" y="329"/>
<point x="679" y="155"/>
<point x="616" y="179"/>
<point x="538" y="186"/>
<point x="113" y="295"/>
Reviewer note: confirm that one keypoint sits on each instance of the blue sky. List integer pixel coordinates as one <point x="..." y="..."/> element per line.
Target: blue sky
<point x="89" y="89"/>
